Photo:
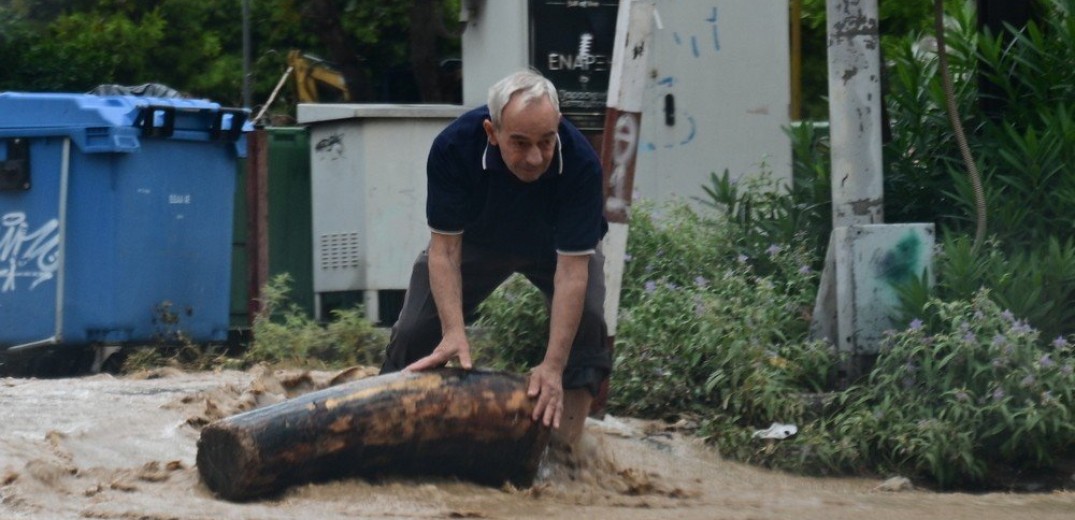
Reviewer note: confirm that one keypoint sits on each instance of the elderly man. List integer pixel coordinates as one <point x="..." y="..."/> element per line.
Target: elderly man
<point x="513" y="188"/>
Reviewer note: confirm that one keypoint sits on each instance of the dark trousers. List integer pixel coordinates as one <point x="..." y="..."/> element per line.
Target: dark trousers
<point x="417" y="331"/>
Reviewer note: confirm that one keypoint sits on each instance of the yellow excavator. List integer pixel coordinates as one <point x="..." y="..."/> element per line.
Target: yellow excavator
<point x="316" y="80"/>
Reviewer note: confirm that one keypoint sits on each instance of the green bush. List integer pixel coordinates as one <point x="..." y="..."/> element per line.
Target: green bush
<point x="283" y="334"/>
<point x="513" y="325"/>
<point x="702" y="332"/>
<point x="970" y="391"/>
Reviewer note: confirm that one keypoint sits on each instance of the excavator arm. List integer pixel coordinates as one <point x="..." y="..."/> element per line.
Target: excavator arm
<point x="316" y="80"/>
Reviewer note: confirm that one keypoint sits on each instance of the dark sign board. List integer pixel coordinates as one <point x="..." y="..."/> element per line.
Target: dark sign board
<point x="571" y="44"/>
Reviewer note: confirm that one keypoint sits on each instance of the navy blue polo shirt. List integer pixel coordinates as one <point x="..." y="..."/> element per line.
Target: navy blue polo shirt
<point x="471" y="191"/>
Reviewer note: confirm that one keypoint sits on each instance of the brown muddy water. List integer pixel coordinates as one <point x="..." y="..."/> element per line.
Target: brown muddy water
<point x="124" y="448"/>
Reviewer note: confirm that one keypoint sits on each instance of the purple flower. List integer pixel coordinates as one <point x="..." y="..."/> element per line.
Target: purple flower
<point x="701" y="282"/>
<point x="969" y="337"/>
<point x="627" y="257"/>
<point x="773" y="250"/>
<point x="805" y="269"/>
<point x="915" y="324"/>
<point x="1067" y="369"/>
<point x="1022" y="326"/>
<point x="650" y="286"/>
<point x="999" y="339"/>
<point x="1027" y="381"/>
<point x="1046" y="361"/>
<point x="699" y="306"/>
<point x="979" y="315"/>
<point x="1060" y="342"/>
<point x="998" y="394"/>
<point x="1008" y="315"/>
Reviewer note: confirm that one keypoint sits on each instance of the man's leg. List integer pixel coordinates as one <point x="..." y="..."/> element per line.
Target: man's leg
<point x="417" y="331"/>
<point x="577" y="403"/>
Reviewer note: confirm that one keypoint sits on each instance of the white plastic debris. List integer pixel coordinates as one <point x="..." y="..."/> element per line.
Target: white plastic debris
<point x="777" y="431"/>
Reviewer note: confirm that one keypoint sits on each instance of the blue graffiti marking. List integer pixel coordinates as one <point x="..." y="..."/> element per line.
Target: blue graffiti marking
<point x="716" y="37"/>
<point x="694" y="46"/>
<point x="650" y="146"/>
<point x="694" y="130"/>
<point x="667" y="81"/>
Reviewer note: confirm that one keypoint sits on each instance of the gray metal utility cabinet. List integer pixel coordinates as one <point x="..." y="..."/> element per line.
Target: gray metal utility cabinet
<point x="368" y="190"/>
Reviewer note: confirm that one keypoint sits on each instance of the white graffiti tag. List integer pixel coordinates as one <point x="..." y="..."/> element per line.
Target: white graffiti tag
<point x="624" y="144"/>
<point x="25" y="253"/>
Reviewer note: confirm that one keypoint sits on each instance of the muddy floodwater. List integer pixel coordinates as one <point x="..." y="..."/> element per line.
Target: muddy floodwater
<point x="124" y="447"/>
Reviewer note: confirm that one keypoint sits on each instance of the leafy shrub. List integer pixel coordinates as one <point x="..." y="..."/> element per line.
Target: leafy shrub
<point x="972" y="389"/>
<point x="513" y="325"/>
<point x="1035" y="283"/>
<point x="284" y="334"/>
<point x="700" y="331"/>
<point x="1024" y="143"/>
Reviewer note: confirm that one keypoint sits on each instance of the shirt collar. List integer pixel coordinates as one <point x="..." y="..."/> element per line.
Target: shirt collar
<point x="559" y="156"/>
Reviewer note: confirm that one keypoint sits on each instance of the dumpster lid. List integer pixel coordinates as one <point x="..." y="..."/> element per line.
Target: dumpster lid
<point x="321" y="112"/>
<point x="116" y="123"/>
<point x="25" y="110"/>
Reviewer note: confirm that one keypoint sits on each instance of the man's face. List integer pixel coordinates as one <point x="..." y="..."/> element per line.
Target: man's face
<point x="526" y="136"/>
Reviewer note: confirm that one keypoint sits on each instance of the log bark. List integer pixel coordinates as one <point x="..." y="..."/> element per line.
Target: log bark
<point x="473" y="425"/>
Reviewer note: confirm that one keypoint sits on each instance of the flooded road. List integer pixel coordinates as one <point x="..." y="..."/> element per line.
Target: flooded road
<point x="124" y="448"/>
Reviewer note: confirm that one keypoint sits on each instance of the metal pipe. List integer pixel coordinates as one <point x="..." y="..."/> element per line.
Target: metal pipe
<point x="247" y="102"/>
<point x="796" y="60"/>
<point x="61" y="276"/>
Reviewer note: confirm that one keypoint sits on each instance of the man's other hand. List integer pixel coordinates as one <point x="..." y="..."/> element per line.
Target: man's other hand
<point x="546" y="384"/>
<point x="453" y="346"/>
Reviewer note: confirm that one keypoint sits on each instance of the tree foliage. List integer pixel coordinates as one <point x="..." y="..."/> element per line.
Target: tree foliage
<point x="196" y="46"/>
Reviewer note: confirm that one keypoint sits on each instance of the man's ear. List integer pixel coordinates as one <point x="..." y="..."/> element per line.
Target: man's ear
<point x="490" y="131"/>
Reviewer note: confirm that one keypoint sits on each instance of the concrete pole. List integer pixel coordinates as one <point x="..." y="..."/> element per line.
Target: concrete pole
<point x="855" y="112"/>
<point x="857" y="189"/>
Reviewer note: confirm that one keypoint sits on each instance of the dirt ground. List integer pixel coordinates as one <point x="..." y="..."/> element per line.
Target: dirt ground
<point x="110" y="447"/>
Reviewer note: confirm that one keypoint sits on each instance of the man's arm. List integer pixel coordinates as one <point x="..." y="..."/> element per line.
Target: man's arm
<point x="446" y="282"/>
<point x="569" y="294"/>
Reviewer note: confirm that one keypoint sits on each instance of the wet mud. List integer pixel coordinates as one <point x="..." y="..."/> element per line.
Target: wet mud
<point x="120" y="448"/>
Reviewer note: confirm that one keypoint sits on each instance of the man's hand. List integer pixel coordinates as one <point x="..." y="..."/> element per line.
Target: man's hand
<point x="546" y="384"/>
<point x="451" y="346"/>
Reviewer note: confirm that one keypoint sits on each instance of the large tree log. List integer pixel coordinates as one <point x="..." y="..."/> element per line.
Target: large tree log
<point x="473" y="425"/>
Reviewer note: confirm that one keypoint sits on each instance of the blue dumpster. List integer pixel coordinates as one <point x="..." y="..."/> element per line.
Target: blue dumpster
<point x="115" y="219"/>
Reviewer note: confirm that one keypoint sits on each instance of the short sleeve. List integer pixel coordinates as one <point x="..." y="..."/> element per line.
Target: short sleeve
<point x="580" y="218"/>
<point x="446" y="188"/>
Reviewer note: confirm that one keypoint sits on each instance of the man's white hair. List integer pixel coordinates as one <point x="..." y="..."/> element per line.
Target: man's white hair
<point x="528" y="84"/>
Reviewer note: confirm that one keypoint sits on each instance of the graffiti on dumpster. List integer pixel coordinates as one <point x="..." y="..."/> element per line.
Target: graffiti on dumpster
<point x="27" y="253"/>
